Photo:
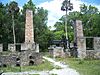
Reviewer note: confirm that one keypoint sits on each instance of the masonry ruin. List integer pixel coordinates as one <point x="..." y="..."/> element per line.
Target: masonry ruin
<point x="80" y="48"/>
<point x="29" y="53"/>
<point x="81" y="41"/>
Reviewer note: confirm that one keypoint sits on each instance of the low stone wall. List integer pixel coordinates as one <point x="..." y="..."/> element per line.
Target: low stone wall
<point x="57" y="52"/>
<point x="8" y="60"/>
<point x="24" y="58"/>
<point x="93" y="54"/>
<point x="67" y="54"/>
<point x="30" y="57"/>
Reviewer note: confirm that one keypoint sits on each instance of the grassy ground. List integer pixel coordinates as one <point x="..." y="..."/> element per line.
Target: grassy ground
<point x="44" y="66"/>
<point x="86" y="67"/>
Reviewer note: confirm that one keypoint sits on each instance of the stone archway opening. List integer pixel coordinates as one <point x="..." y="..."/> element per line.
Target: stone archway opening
<point x="18" y="65"/>
<point x="18" y="59"/>
<point x="4" y="65"/>
<point x="30" y="57"/>
<point x="31" y="63"/>
<point x="89" y="43"/>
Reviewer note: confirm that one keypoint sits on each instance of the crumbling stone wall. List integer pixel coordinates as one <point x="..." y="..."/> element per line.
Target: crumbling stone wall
<point x="24" y="58"/>
<point x="28" y="56"/>
<point x="96" y="43"/>
<point x="57" y="52"/>
<point x="93" y="54"/>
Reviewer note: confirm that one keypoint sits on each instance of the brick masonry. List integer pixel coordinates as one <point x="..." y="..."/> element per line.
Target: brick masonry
<point x="29" y="29"/>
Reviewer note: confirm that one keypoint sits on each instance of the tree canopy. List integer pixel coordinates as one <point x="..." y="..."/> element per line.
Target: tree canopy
<point x="42" y="32"/>
<point x="89" y="15"/>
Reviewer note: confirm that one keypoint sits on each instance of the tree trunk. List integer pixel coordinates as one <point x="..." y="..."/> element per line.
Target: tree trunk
<point x="14" y="30"/>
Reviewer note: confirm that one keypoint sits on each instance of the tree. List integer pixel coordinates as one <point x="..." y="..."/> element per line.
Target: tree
<point x="13" y="9"/>
<point x="90" y="17"/>
<point x="88" y="9"/>
<point x="29" y="5"/>
<point x="42" y="32"/>
<point x="60" y="30"/>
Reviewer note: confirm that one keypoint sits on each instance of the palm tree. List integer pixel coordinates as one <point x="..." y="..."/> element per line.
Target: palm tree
<point x="13" y="9"/>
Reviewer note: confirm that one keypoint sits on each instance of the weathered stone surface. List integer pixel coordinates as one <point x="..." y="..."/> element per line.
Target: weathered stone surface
<point x="29" y="33"/>
<point x="1" y="47"/>
<point x="81" y="42"/>
<point x="37" y="48"/>
<point x="11" y="47"/>
<point x="93" y="54"/>
<point x="24" y="58"/>
<point x="57" y="52"/>
<point x="30" y="57"/>
<point x="67" y="54"/>
<point x="8" y="60"/>
<point x="96" y="43"/>
<point x="28" y="46"/>
<point x="29" y="29"/>
<point x="23" y="46"/>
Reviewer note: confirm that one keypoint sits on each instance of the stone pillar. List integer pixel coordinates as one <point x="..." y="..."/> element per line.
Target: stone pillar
<point x="96" y="43"/>
<point x="37" y="48"/>
<point x="1" y="47"/>
<point x="29" y="29"/>
<point x="80" y="40"/>
<point x="11" y="47"/>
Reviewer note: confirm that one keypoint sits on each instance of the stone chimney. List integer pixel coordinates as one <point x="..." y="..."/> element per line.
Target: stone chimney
<point x="79" y="39"/>
<point x="29" y="29"/>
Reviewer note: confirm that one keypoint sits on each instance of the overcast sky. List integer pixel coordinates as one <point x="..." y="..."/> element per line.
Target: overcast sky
<point x="54" y="6"/>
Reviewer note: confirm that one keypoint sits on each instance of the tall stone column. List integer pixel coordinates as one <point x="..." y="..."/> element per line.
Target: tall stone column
<point x="80" y="40"/>
<point x="29" y="32"/>
<point x="29" y="29"/>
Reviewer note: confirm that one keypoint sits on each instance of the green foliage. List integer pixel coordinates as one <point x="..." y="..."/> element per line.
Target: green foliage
<point x="88" y="9"/>
<point x="13" y="7"/>
<point x="42" y="32"/>
<point x="58" y="35"/>
<point x="28" y="5"/>
<point x="90" y="17"/>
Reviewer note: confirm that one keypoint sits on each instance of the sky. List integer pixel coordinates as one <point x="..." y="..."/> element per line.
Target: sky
<point x="54" y="7"/>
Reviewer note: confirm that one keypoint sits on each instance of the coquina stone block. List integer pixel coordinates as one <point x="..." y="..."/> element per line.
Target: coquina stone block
<point x="80" y="40"/>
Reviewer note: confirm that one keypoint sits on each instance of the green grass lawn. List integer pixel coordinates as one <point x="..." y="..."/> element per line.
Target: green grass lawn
<point x="86" y="67"/>
<point x="44" y="66"/>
